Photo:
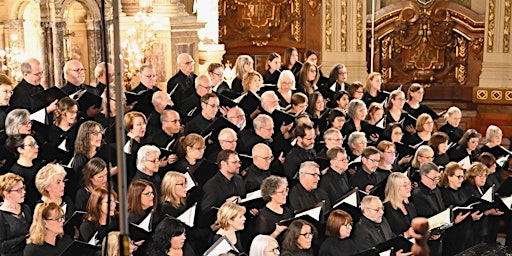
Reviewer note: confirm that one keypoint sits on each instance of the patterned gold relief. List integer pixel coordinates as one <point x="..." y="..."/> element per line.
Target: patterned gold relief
<point x="328" y="25"/>
<point x="297" y="25"/>
<point x="482" y="94"/>
<point x="506" y="26"/>
<point x="496" y="95"/>
<point x="490" y="33"/>
<point x="508" y="95"/>
<point x="343" y="20"/>
<point x="386" y="74"/>
<point x="359" y="25"/>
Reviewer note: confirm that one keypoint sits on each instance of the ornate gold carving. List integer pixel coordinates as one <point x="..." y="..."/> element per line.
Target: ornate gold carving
<point x="386" y="74"/>
<point x="328" y="25"/>
<point x="496" y="95"/>
<point x="359" y="25"/>
<point x="506" y="26"/>
<point x="297" y="24"/>
<point x="343" y="27"/>
<point x="461" y="53"/>
<point x="490" y="32"/>
<point x="508" y="95"/>
<point x="314" y="5"/>
<point x="482" y="94"/>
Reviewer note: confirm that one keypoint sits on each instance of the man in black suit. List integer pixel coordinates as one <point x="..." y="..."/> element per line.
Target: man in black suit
<point x="306" y="193"/>
<point x="302" y="151"/>
<point x="428" y="200"/>
<point x="209" y="109"/>
<point x="260" y="168"/>
<point x="160" y="100"/>
<point x="226" y="185"/>
<point x="191" y="106"/>
<point x="372" y="228"/>
<point x="147" y="79"/>
<point x="182" y="84"/>
<point x="29" y="85"/>
<point x="100" y="72"/>
<point x="74" y="73"/>
<point x="335" y="181"/>
<point x="365" y="177"/>
<point x="262" y="133"/>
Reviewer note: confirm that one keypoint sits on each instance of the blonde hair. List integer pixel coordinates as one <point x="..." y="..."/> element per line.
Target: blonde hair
<point x="476" y="169"/>
<point x="229" y="211"/>
<point x="45" y="176"/>
<point x="7" y="182"/>
<point x="392" y="191"/>
<point x="113" y="243"/>
<point x="420" y="122"/>
<point x="368" y="85"/>
<point x="42" y="212"/>
<point x="168" y="189"/>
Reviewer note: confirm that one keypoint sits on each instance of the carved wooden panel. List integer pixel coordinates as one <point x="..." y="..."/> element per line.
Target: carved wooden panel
<point x="436" y="43"/>
<point x="264" y="26"/>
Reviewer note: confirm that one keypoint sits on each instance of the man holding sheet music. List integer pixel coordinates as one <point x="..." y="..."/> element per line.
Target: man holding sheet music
<point x="335" y="181"/>
<point x="182" y="84"/>
<point x="30" y="84"/>
<point x="306" y="193"/>
<point x="209" y="108"/>
<point x="428" y="200"/>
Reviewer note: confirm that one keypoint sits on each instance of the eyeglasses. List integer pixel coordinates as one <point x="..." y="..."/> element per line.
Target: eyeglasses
<point x="315" y="175"/>
<point x="19" y="190"/>
<point x="239" y="116"/>
<point x="38" y="73"/>
<point x="307" y="235"/>
<point x="206" y="87"/>
<point x="377" y="210"/>
<point x="460" y="177"/>
<point x="390" y="152"/>
<point x="435" y="179"/>
<point x="31" y="145"/>
<point x="341" y="160"/>
<point x="154" y="161"/>
<point x="283" y="192"/>
<point x="230" y="141"/>
<point x="337" y="140"/>
<point x="78" y="70"/>
<point x="59" y="219"/>
<point x="97" y="133"/>
<point x="347" y="225"/>
<point x="359" y="91"/>
<point x="184" y="184"/>
<point x="200" y="149"/>
<point x="189" y="62"/>
<point x="150" y="193"/>
<point x="212" y="105"/>
<point x="8" y="92"/>
<point x="268" y="158"/>
<point x="276" y="251"/>
<point x="29" y="122"/>
<point x="149" y="76"/>
<point x="373" y="160"/>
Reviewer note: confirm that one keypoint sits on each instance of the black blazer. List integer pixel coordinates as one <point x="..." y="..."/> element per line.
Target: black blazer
<point x="398" y="221"/>
<point x="428" y="202"/>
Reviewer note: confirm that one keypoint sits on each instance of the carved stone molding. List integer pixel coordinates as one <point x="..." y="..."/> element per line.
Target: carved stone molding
<point x="491" y="25"/>
<point x="328" y="25"/>
<point x="506" y="26"/>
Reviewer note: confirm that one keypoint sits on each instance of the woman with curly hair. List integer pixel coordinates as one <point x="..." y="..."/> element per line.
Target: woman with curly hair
<point x="62" y="132"/>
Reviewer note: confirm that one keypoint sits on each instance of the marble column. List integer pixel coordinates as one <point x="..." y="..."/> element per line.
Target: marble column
<point x="96" y="49"/>
<point x="47" y="50"/>
<point x="344" y="40"/>
<point x="58" y="53"/>
<point x="209" y="48"/>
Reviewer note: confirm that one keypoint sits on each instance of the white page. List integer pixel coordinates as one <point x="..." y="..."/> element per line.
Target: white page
<point x="441" y="219"/>
<point x="190" y="181"/>
<point x="145" y="224"/>
<point x="189" y="216"/>
<point x="488" y="195"/>
<point x="39" y="116"/>
<point x="251" y="196"/>
<point x="62" y="145"/>
<point x="465" y="163"/>
<point x="313" y="213"/>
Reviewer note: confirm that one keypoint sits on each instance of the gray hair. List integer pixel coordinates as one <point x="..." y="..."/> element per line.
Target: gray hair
<point x="101" y="68"/>
<point x="329" y="132"/>
<point x="26" y="66"/>
<point x="305" y="166"/>
<point x="367" y="200"/>
<point x="261" y="120"/>
<point x="144" y="66"/>
<point x="259" y="245"/>
<point x="353" y="106"/>
<point x="15" y="119"/>
<point x="420" y="152"/>
<point x="452" y="111"/>
<point x="286" y="74"/>
<point x="265" y="96"/>
<point x="143" y="153"/>
<point x="492" y="130"/>
<point x="270" y="185"/>
<point x="355" y="136"/>
<point x="427" y="167"/>
<point x="225" y="132"/>
<point x="199" y="78"/>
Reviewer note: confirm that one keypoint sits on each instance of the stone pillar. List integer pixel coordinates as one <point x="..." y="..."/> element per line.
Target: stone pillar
<point x="344" y="40"/>
<point x="58" y="53"/>
<point x="209" y="48"/>
<point x="47" y="50"/>
<point x="95" y="39"/>
<point x="14" y="33"/>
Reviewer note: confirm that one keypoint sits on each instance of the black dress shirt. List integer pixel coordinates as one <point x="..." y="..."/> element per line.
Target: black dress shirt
<point x="155" y="179"/>
<point x="267" y="219"/>
<point x="300" y="198"/>
<point x="335" y="246"/>
<point x="368" y="233"/>
<point x="185" y="86"/>
<point x="21" y="97"/>
<point x="29" y="174"/>
<point x="335" y="184"/>
<point x="15" y="228"/>
<point x="47" y="249"/>
<point x="198" y="124"/>
<point x="454" y="133"/>
<point x="399" y="221"/>
<point x="271" y="78"/>
<point x="428" y="202"/>
<point x="219" y="188"/>
<point x="294" y="158"/>
<point x="254" y="178"/>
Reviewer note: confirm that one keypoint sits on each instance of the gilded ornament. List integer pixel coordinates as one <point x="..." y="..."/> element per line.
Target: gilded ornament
<point x="328" y="25"/>
<point x="343" y="23"/>
<point x="490" y="33"/>
<point x="506" y="26"/>
<point x="359" y="25"/>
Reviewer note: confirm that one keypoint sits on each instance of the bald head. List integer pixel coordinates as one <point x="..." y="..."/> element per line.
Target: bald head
<point x="32" y="71"/>
<point x="160" y="100"/>
<point x="74" y="72"/>
<point x="185" y="63"/>
<point x="262" y="156"/>
<point x="227" y="139"/>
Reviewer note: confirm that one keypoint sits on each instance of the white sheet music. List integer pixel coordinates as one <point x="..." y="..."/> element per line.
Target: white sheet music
<point x="146" y="223"/>
<point x="94" y="240"/>
<point x="507" y="201"/>
<point x="441" y="219"/>
<point x="386" y="253"/>
<point x="39" y="116"/>
<point x="465" y="163"/>
<point x="502" y="160"/>
<point x="351" y="200"/>
<point x="380" y="124"/>
<point x="313" y="213"/>
<point x="62" y="146"/>
<point x="189" y="216"/>
<point x="251" y="196"/>
<point x="220" y="246"/>
<point x="357" y="160"/>
<point x="128" y="147"/>
<point x="190" y="181"/>
<point x="489" y="195"/>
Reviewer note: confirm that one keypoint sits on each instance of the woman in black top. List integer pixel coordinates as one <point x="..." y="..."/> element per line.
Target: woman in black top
<point x="372" y="90"/>
<point x="451" y="127"/>
<point x="274" y="190"/>
<point x="190" y="153"/>
<point x="50" y="181"/>
<point x="285" y="87"/>
<point x="291" y="61"/>
<point x="135" y="126"/>
<point x="26" y="166"/>
<point x="231" y="218"/>
<point x="298" y="239"/>
<point x="467" y="146"/>
<point x="424" y="129"/>
<point x="413" y="105"/>
<point x="271" y="75"/>
<point x="100" y="216"/>
<point x="243" y="64"/>
<point x="338" y="241"/>
<point x="458" y="237"/>
<point x="439" y="143"/>
<point x="15" y="217"/>
<point x="356" y="111"/>
<point x="216" y="73"/>
<point x="307" y="78"/>
<point x="174" y="194"/>
<point x="169" y="239"/>
<point x="95" y="175"/>
<point x="399" y="211"/>
<point x="62" y="132"/>
<point x="46" y="232"/>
